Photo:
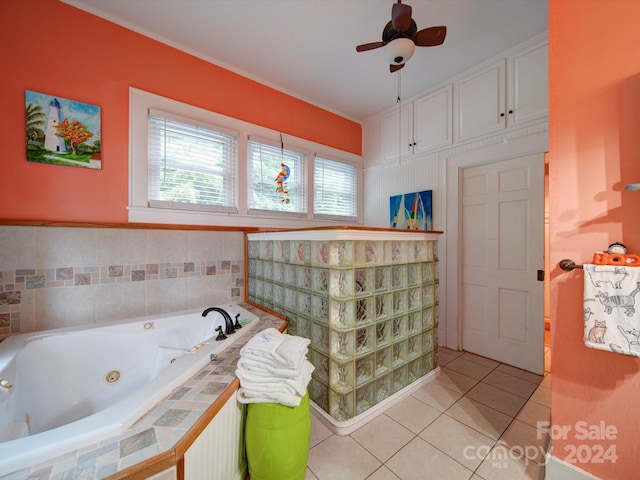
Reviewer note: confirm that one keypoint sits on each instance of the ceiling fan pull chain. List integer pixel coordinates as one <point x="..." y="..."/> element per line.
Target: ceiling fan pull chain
<point x="399" y="116"/>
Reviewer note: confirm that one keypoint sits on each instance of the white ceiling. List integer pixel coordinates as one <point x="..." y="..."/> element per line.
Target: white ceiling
<point x="307" y="47"/>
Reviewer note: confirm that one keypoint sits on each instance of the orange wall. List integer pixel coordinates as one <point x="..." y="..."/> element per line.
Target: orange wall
<point x="51" y="47"/>
<point x="594" y="77"/>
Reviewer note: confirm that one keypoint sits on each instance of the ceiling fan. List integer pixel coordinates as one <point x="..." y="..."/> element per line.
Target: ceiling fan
<point x="401" y="35"/>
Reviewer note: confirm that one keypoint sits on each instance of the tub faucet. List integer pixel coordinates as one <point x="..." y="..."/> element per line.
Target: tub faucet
<point x="228" y="323"/>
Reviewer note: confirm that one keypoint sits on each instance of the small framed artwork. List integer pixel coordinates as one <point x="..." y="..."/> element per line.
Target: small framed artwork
<point x="62" y="131"/>
<point x="411" y="211"/>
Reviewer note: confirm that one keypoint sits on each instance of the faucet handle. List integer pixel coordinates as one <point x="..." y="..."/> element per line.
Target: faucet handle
<point x="221" y="336"/>
<point x="237" y="324"/>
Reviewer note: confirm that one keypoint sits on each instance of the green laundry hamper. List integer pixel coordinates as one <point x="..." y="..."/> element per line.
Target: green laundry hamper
<point x="277" y="440"/>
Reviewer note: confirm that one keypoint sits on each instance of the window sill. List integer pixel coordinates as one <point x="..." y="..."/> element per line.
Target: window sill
<point x="181" y="217"/>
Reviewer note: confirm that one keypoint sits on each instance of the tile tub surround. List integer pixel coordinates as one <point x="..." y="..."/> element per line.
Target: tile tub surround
<point x="54" y="277"/>
<point x="367" y="300"/>
<point x="166" y="430"/>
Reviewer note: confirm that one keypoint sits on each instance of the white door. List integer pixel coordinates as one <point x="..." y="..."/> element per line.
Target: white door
<point x="502" y="241"/>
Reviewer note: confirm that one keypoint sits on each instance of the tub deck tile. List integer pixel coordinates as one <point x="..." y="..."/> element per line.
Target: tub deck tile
<point x="172" y="418"/>
<point x="214" y="388"/>
<point x="137" y="442"/>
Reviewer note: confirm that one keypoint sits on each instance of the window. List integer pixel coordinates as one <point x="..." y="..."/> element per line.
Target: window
<point x="191" y="165"/>
<point x="335" y="191"/>
<point x="266" y="165"/>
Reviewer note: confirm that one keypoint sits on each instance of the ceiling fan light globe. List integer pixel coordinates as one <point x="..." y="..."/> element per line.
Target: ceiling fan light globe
<point x="398" y="51"/>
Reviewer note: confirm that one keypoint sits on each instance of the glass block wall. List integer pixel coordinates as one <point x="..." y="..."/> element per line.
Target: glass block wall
<point x="368" y="305"/>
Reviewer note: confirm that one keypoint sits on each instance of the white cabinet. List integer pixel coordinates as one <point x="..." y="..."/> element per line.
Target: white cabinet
<point x="507" y="93"/>
<point x="422" y="125"/>
<point x="528" y="87"/>
<point x="480" y="102"/>
<point x="397" y="132"/>
<point x="432" y="124"/>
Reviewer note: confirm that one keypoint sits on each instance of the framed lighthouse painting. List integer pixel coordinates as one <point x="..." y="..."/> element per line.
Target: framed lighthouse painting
<point x="60" y="131"/>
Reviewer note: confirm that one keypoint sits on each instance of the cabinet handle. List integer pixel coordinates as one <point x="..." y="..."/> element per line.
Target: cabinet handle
<point x="502" y="114"/>
<point x="510" y="112"/>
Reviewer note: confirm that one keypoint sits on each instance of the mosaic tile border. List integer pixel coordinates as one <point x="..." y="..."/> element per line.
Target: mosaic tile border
<point x="14" y="282"/>
<point x="29" y="278"/>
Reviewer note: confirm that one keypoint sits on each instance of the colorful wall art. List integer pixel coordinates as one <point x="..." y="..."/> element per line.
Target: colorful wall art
<point x="62" y="131"/>
<point x="411" y="211"/>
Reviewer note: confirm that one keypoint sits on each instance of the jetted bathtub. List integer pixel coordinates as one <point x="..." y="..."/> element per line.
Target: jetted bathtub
<point x="67" y="388"/>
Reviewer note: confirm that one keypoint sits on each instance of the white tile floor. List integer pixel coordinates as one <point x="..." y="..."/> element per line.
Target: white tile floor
<point x="477" y="420"/>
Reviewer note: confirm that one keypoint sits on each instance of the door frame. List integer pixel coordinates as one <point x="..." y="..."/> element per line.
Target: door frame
<point x="505" y="150"/>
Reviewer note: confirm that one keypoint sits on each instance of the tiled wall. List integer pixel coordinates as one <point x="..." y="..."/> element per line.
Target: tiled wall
<point x="54" y="277"/>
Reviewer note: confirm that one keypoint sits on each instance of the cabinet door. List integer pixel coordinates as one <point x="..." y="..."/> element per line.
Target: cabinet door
<point x="480" y="102"/>
<point x="396" y="131"/>
<point x="528" y="77"/>
<point x="432" y="123"/>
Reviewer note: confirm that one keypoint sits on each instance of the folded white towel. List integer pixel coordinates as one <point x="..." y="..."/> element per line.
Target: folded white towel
<point x="263" y="344"/>
<point x="271" y="363"/>
<point x="292" y="349"/>
<point x="257" y="389"/>
<point x="281" y="349"/>
<point x="244" y="396"/>
<point x="273" y="368"/>
<point x="265" y="382"/>
<point x="268" y="369"/>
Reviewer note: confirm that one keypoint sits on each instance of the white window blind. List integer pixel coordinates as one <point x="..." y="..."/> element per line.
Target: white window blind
<point x="192" y="166"/>
<point x="264" y="165"/>
<point x="335" y="189"/>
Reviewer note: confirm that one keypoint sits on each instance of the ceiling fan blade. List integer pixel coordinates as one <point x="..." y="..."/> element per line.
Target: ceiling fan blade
<point x="369" y="46"/>
<point x="400" y="16"/>
<point x="430" y="37"/>
<point x="395" y="68"/>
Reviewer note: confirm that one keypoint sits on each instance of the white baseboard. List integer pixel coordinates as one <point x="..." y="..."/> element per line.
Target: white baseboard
<point x="349" y="426"/>
<point x="557" y="469"/>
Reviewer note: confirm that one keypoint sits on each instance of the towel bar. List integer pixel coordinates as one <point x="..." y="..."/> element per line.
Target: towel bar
<point x="568" y="265"/>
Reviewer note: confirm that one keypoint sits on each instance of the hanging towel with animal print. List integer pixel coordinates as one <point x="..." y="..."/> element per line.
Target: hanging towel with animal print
<point x="612" y="308"/>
